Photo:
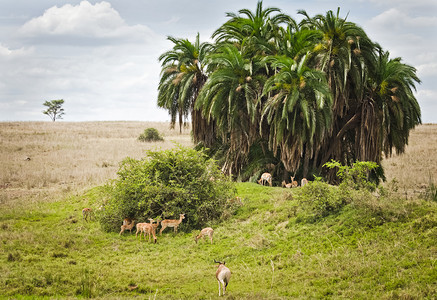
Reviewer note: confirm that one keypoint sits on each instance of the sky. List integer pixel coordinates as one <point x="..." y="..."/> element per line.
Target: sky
<point x="101" y="57"/>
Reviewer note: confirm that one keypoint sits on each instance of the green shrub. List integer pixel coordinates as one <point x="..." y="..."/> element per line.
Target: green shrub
<point x="150" y="135"/>
<point x="166" y="184"/>
<point x="317" y="200"/>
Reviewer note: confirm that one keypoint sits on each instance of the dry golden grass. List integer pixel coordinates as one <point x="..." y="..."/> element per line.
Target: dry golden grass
<point x="45" y="160"/>
<point x="417" y="167"/>
<point x="70" y="157"/>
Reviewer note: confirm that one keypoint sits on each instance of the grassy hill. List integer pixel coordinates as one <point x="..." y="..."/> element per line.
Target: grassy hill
<point x="378" y="247"/>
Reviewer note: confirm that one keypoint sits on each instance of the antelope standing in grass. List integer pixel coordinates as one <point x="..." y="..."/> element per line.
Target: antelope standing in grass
<point x="208" y="231"/>
<point x="171" y="223"/>
<point x="154" y="225"/>
<point x="303" y="182"/>
<point x="223" y="275"/>
<point x="86" y="213"/>
<point x="293" y="182"/>
<point x="128" y="224"/>
<point x="265" y="177"/>
<point x="144" y="228"/>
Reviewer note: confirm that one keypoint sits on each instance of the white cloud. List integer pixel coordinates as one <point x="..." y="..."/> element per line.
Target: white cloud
<point x="99" y="21"/>
<point x="400" y="19"/>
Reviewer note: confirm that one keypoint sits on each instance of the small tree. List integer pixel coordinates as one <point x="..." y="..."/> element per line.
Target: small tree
<point x="54" y="110"/>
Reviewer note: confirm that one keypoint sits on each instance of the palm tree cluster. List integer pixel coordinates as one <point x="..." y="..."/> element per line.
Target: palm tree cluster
<point x="272" y="93"/>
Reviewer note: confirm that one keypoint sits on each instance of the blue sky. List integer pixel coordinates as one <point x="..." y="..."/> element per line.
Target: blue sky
<point x="101" y="57"/>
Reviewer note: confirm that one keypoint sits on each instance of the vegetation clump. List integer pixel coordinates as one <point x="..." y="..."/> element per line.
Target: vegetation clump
<point x="150" y="135"/>
<point x="165" y="184"/>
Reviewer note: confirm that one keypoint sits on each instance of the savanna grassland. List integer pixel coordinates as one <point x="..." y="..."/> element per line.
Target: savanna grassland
<point x="381" y="247"/>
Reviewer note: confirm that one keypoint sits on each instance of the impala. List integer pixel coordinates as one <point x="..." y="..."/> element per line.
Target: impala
<point x="265" y="177"/>
<point x="286" y="185"/>
<point x="205" y="232"/>
<point x="223" y="275"/>
<point x="86" y="213"/>
<point x="303" y="182"/>
<point x="128" y="224"/>
<point x="144" y="228"/>
<point x="171" y="223"/>
<point x="293" y="182"/>
<point x="155" y="225"/>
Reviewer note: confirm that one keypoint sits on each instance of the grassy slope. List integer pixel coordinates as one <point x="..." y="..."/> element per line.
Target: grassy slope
<point x="47" y="250"/>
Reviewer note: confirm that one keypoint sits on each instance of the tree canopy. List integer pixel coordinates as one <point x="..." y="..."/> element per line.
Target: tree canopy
<point x="54" y="109"/>
<point x="274" y="94"/>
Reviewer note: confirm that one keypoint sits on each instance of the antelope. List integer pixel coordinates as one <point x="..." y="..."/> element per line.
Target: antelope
<point x="155" y="225"/>
<point x="208" y="231"/>
<point x="286" y="185"/>
<point x="265" y="177"/>
<point x="128" y="224"/>
<point x="144" y="228"/>
<point x="303" y="182"/>
<point x="293" y="182"/>
<point x="86" y="213"/>
<point x="223" y="275"/>
<point x="171" y="223"/>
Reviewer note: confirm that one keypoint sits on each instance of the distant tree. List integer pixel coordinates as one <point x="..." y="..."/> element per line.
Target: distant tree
<point x="54" y="109"/>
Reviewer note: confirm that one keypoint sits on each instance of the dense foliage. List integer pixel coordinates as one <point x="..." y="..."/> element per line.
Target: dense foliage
<point x="166" y="184"/>
<point x="302" y="93"/>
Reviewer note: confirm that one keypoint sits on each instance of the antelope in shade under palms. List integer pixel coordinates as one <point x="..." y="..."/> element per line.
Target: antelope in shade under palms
<point x="303" y="182"/>
<point x="293" y="182"/>
<point x="265" y="177"/>
<point x="171" y="223"/>
<point x="128" y="224"/>
<point x="208" y="231"/>
<point x="223" y="276"/>
<point x="286" y="185"/>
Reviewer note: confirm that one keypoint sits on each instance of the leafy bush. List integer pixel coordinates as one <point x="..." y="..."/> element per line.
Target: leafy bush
<point x="356" y="176"/>
<point x="150" y="135"/>
<point x="317" y="200"/>
<point x="166" y="184"/>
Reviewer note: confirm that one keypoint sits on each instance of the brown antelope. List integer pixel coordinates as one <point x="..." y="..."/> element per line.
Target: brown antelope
<point x="286" y="185"/>
<point x="171" y="223"/>
<point x="128" y="224"/>
<point x="208" y="231"/>
<point x="87" y="213"/>
<point x="155" y="225"/>
<point x="293" y="182"/>
<point x="265" y="177"/>
<point x="144" y="228"/>
<point x="303" y="182"/>
<point x="223" y="275"/>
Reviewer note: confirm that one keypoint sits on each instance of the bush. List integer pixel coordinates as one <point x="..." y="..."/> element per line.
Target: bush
<point x="150" y="135"/>
<point x="166" y="184"/>
<point x="318" y="199"/>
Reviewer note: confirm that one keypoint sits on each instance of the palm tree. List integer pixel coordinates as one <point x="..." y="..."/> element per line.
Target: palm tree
<point x="230" y="98"/>
<point x="254" y="32"/>
<point x="298" y="110"/>
<point x="182" y="77"/>
<point x="394" y="107"/>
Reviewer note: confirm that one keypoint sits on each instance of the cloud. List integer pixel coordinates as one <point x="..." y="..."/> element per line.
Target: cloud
<point x="84" y="21"/>
<point x="394" y="18"/>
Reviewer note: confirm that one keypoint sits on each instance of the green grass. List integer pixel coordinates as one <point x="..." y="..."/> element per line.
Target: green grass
<point x="368" y="250"/>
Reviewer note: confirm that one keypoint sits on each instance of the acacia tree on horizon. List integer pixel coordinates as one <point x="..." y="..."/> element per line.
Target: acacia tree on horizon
<point x="296" y="95"/>
<point x="54" y="109"/>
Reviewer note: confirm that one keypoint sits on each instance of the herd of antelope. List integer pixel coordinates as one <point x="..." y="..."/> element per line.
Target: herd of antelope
<point x="223" y="273"/>
<point x="267" y="178"/>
